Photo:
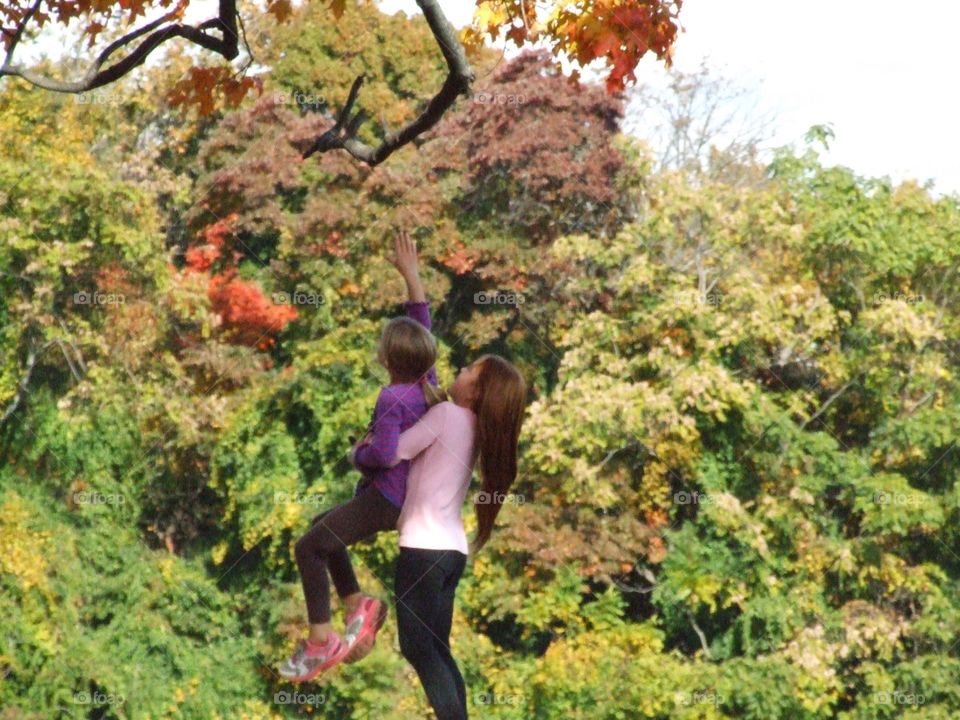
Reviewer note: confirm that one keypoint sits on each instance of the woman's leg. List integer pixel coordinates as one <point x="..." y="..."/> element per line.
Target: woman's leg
<point x="424" y="612"/>
<point x="324" y="546"/>
<point x="444" y="620"/>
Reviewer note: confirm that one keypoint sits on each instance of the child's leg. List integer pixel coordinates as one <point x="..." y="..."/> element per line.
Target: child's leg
<point x="324" y="546"/>
<point x="422" y="610"/>
<point x="341" y="571"/>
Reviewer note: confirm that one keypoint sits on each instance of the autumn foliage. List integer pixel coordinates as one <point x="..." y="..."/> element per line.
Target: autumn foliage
<point x="617" y="32"/>
<point x="738" y="487"/>
<point x="248" y="316"/>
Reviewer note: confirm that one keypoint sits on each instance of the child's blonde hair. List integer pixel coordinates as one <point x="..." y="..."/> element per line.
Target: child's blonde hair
<point x="408" y="350"/>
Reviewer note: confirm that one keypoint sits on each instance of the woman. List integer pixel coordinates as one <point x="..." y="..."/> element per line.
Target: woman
<point x="482" y="422"/>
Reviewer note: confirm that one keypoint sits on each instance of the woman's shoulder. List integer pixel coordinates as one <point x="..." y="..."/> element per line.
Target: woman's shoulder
<point x="457" y="413"/>
<point x="448" y="409"/>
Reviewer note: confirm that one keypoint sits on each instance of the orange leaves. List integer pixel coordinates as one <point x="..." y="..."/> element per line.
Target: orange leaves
<point x="250" y="318"/>
<point x="201" y="257"/>
<point x="349" y="288"/>
<point x="618" y="31"/>
<point x="201" y="86"/>
<point x="94" y="29"/>
<point x="332" y="245"/>
<point x="280" y="9"/>
<point x="216" y="233"/>
<point x="517" y="17"/>
<point x="460" y="260"/>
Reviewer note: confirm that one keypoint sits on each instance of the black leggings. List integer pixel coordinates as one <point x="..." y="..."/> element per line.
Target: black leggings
<point x="324" y="546"/>
<point x="424" y="587"/>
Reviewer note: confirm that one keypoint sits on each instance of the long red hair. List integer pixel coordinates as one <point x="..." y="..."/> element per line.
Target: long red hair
<point x="501" y="401"/>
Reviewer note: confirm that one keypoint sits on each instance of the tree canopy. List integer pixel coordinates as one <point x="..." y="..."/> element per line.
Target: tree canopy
<point x="738" y="493"/>
<point x="616" y="32"/>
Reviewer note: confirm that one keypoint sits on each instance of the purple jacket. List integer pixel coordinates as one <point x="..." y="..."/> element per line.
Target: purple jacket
<point x="398" y="407"/>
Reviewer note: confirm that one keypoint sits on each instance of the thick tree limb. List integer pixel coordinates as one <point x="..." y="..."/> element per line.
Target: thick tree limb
<point x="160" y="32"/>
<point x="343" y="133"/>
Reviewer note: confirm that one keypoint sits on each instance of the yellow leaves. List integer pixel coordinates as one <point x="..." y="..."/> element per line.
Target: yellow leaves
<point x="219" y="552"/>
<point x="348" y="288"/>
<point x="489" y="16"/>
<point x="901" y="322"/>
<point x="167" y="568"/>
<point x="24" y="552"/>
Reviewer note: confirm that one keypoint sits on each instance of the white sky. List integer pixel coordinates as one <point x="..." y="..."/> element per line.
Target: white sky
<point x="880" y="71"/>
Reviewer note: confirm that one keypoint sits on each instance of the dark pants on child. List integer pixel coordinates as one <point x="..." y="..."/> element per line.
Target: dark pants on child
<point x="323" y="547"/>
<point x="424" y="587"/>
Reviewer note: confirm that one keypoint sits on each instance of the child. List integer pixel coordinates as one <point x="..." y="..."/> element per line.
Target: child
<point x="483" y="421"/>
<point x="408" y="352"/>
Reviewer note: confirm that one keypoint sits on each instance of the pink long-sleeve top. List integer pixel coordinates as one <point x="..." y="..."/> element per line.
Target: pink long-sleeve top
<point x="442" y="450"/>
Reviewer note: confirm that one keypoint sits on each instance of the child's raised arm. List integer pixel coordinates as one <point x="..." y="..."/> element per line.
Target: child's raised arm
<point x="404" y="259"/>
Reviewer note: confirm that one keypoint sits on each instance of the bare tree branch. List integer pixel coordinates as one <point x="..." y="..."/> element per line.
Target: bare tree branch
<point x="343" y="133"/>
<point x="699" y="632"/>
<point x="32" y="358"/>
<point x="227" y="46"/>
<point x="829" y="401"/>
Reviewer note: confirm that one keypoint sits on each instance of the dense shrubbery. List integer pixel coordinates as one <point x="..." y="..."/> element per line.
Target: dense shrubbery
<point x="738" y="493"/>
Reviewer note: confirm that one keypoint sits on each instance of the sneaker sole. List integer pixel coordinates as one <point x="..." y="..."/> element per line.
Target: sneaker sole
<point x="358" y="652"/>
<point x="319" y="670"/>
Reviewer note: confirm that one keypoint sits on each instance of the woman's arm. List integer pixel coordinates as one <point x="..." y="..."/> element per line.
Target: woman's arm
<point x="417" y="438"/>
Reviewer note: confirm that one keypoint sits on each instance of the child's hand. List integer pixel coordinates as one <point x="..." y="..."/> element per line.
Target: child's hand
<point x="404" y="257"/>
<point x="353" y="451"/>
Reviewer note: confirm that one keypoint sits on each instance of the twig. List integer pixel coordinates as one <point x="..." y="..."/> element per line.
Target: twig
<point x="343" y="133"/>
<point x="226" y="46"/>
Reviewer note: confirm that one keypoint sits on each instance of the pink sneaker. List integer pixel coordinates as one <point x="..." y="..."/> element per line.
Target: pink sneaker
<point x="309" y="660"/>
<point x="362" y="626"/>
